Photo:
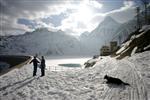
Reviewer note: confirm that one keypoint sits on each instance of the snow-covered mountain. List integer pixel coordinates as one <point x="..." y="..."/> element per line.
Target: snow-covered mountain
<point x="106" y="28"/>
<point x="125" y="30"/>
<point x="102" y="34"/>
<point x="41" y="41"/>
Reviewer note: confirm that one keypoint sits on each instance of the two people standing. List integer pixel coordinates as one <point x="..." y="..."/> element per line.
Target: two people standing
<point x="35" y="62"/>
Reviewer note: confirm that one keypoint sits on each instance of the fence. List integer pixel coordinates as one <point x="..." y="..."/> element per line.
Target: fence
<point x="61" y="68"/>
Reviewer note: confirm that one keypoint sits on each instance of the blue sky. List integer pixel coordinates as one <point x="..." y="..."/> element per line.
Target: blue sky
<point x="71" y="16"/>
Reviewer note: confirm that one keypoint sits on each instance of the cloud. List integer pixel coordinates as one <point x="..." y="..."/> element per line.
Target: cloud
<point x="124" y="13"/>
<point x="95" y="4"/>
<point x="128" y="3"/>
<point x="77" y="24"/>
<point x="81" y="19"/>
<point x="12" y="10"/>
<point x="80" y="14"/>
<point x="33" y="12"/>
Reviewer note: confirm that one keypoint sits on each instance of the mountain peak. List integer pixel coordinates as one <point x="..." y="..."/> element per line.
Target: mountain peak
<point x="109" y="19"/>
<point x="108" y="22"/>
<point x="41" y="30"/>
<point x="107" y="26"/>
<point x="60" y="31"/>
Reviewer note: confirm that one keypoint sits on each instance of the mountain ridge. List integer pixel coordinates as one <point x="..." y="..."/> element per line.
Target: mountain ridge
<point x="61" y="43"/>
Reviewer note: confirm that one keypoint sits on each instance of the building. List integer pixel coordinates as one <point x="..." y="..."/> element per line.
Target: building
<point x="113" y="46"/>
<point x="105" y="51"/>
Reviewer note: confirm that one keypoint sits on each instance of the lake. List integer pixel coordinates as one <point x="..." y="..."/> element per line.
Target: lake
<point x="65" y="63"/>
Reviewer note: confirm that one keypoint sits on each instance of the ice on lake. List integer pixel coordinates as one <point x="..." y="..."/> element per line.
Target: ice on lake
<point x="70" y="65"/>
<point x="65" y="63"/>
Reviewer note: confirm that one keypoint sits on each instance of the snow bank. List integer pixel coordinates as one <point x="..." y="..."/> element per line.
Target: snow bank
<point x="134" y="51"/>
<point x="125" y="45"/>
<point x="137" y="42"/>
<point x="145" y="28"/>
<point x="147" y="47"/>
<point x="92" y="62"/>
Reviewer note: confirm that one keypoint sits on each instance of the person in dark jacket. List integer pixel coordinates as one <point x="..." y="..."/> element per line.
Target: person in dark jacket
<point x="35" y="64"/>
<point x="43" y="66"/>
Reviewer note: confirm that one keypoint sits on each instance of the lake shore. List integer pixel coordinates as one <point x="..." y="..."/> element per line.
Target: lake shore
<point x="14" y="61"/>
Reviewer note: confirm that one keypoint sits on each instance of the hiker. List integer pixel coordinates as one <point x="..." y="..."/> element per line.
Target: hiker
<point x="35" y="64"/>
<point x="43" y="66"/>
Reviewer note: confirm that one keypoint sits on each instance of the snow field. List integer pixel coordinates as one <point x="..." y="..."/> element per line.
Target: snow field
<point x="86" y="84"/>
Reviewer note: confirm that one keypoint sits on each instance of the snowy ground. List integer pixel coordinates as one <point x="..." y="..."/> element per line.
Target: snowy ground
<point x="85" y="84"/>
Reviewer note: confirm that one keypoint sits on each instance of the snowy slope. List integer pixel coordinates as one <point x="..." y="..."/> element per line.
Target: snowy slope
<point x="86" y="84"/>
<point x="125" y="30"/>
<point x="137" y="42"/>
<point x="142" y="65"/>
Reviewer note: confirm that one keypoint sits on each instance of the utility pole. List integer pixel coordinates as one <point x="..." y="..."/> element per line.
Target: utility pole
<point x="119" y="37"/>
<point x="145" y="2"/>
<point x="138" y="17"/>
